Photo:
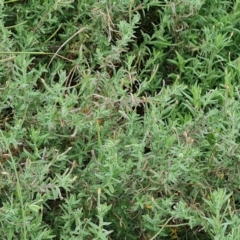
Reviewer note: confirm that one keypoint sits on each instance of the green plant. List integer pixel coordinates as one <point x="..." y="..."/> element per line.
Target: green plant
<point x="119" y="120"/>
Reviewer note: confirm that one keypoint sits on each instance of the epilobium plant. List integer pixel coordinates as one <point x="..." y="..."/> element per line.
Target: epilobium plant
<point x="119" y="120"/>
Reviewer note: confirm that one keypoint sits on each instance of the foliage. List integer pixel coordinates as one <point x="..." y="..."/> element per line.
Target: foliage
<point x="119" y="119"/>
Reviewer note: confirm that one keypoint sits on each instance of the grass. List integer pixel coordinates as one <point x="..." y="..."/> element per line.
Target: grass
<point x="119" y="120"/>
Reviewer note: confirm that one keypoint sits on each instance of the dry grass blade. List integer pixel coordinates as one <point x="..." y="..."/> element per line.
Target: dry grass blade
<point x="75" y="34"/>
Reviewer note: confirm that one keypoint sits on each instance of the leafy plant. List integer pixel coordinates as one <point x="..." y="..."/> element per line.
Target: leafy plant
<point x="119" y="120"/>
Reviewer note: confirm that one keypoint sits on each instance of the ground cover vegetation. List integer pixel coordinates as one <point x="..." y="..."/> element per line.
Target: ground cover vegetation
<point x="119" y="119"/>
